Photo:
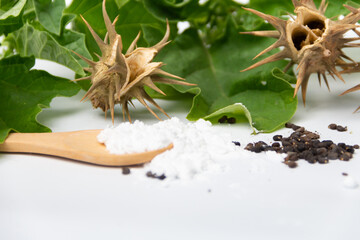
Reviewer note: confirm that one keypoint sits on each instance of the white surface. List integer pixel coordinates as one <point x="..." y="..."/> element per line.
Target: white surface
<point x="256" y="198"/>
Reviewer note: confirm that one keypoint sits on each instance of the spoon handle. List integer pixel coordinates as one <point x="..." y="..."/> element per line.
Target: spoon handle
<point x="79" y="145"/>
<point x="43" y="143"/>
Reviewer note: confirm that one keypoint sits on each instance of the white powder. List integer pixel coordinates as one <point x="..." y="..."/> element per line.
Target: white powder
<point x="350" y="183"/>
<point x="197" y="147"/>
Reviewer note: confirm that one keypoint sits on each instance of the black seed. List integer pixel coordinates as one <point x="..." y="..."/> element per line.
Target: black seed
<point x="260" y="146"/>
<point x="341" y="128"/>
<point x="223" y="119"/>
<point x="300" y="147"/>
<point x="249" y="146"/>
<point x="322" y="160"/>
<point x="311" y="160"/>
<point x="308" y="155"/>
<point x="313" y="151"/>
<point x="332" y="155"/>
<point x="231" y="120"/>
<point x="344" y="157"/>
<point x="313" y="135"/>
<point x="268" y="148"/>
<point x="356" y="146"/>
<point x="333" y="147"/>
<point x="342" y="145"/>
<point x="345" y="174"/>
<point x="295" y="127"/>
<point x="301" y="155"/>
<point x="292" y="156"/>
<point x="161" y="177"/>
<point x="289" y="125"/>
<point x="295" y="135"/>
<point x="275" y="145"/>
<point x="291" y="164"/>
<point x="315" y="143"/>
<point x="150" y="174"/>
<point x="301" y="130"/>
<point x="326" y="143"/>
<point x="349" y="149"/>
<point x="285" y="143"/>
<point x="125" y="170"/>
<point x="257" y="149"/>
<point x="236" y="143"/>
<point x="332" y="126"/>
<point x="348" y="154"/>
<point x="321" y="151"/>
<point x="277" y="137"/>
<point x="278" y="150"/>
<point x="288" y="149"/>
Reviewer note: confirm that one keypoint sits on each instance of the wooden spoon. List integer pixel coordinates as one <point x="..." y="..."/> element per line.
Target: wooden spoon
<point x="80" y="145"/>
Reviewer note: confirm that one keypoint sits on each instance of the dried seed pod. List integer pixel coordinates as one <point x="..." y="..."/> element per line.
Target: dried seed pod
<point x="117" y="78"/>
<point x="311" y="40"/>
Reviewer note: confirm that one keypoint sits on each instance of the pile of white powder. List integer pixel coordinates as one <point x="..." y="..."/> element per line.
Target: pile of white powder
<point x="197" y="147"/>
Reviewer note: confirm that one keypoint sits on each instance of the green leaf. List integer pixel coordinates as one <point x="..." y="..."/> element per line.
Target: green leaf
<point x="279" y="7"/>
<point x="336" y="8"/>
<point x="74" y="41"/>
<point x="29" y="41"/>
<point x="133" y="17"/>
<point x="7" y="13"/>
<point x="24" y="93"/>
<point x="274" y="7"/>
<point x="120" y="3"/>
<point x="10" y="15"/>
<point x="262" y="96"/>
<point x="173" y="10"/>
<point x="49" y="14"/>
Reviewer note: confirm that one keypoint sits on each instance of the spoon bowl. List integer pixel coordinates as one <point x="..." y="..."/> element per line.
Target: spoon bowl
<point x="79" y="145"/>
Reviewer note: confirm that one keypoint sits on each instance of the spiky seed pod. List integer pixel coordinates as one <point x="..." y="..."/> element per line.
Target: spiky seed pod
<point x="117" y="78"/>
<point x="311" y="40"/>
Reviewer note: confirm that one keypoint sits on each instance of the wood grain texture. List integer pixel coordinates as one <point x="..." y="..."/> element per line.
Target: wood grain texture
<point x="79" y="145"/>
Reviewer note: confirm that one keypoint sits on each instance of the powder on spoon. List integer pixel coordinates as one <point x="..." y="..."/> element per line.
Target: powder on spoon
<point x="197" y="147"/>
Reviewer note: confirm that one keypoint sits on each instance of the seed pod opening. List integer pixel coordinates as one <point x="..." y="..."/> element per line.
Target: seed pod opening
<point x="312" y="41"/>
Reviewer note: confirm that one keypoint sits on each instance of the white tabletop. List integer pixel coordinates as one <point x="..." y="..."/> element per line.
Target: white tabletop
<point x="255" y="198"/>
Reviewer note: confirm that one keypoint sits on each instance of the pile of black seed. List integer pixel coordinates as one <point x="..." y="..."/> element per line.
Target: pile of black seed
<point x="225" y="119"/>
<point x="303" y="144"/>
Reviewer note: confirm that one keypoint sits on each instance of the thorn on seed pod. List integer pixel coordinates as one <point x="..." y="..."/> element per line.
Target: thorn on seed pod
<point x="311" y="38"/>
<point x="117" y="78"/>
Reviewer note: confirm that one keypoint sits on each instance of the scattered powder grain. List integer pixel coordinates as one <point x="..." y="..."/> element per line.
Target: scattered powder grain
<point x="350" y="182"/>
<point x="197" y="146"/>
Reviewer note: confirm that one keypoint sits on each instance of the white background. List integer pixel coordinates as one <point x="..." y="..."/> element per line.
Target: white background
<point x="257" y="197"/>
